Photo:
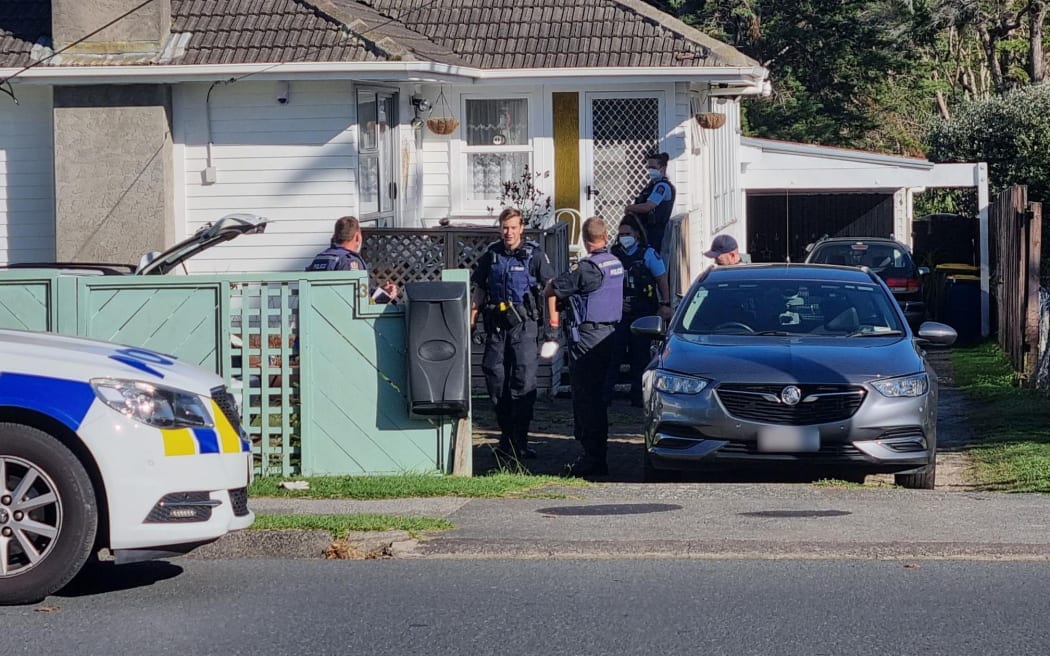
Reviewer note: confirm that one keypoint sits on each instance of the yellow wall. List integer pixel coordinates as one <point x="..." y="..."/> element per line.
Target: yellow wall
<point x="566" y="150"/>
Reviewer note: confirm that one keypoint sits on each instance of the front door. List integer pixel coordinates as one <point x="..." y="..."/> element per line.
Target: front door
<point x="620" y="130"/>
<point x="377" y="186"/>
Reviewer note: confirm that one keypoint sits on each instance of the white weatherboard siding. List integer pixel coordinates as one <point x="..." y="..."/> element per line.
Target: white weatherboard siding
<point x="27" y="174"/>
<point x="676" y="144"/>
<point x="437" y="183"/>
<point x="724" y="165"/>
<point x="293" y="163"/>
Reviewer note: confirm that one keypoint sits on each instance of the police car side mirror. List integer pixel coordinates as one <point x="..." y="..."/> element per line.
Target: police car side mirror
<point x="652" y="326"/>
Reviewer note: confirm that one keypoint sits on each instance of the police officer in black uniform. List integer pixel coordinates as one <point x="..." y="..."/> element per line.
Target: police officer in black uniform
<point x="645" y="293"/>
<point x="594" y="292"/>
<point x="507" y="284"/>
<point x="656" y="202"/>
<point x="343" y="255"/>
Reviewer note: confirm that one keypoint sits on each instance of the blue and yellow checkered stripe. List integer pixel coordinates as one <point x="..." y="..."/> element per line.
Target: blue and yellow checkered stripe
<point x="223" y="438"/>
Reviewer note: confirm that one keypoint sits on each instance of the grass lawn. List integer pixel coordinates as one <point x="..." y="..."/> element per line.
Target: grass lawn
<point x="1011" y="424"/>
<point x="340" y="525"/>
<point x="414" y="485"/>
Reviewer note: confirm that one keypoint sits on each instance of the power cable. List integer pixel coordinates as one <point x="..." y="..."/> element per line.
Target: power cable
<point x="9" y="91"/>
<point x="56" y="53"/>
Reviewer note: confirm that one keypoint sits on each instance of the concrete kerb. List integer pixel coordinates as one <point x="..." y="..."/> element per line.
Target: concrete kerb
<point x="308" y="544"/>
<point x="767" y="521"/>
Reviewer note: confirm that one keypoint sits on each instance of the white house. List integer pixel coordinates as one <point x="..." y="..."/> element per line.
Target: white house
<point x="129" y="138"/>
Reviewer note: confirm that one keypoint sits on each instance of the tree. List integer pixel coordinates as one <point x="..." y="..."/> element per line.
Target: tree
<point x="1011" y="133"/>
<point x="873" y="74"/>
<point x="833" y="62"/>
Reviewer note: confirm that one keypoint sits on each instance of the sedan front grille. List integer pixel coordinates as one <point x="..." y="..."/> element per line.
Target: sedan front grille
<point x="228" y="404"/>
<point x="819" y="404"/>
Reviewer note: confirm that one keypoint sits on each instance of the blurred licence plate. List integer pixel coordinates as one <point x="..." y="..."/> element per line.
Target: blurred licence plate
<point x="788" y="439"/>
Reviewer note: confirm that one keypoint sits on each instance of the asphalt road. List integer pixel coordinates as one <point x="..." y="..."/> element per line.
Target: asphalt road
<point x="581" y="607"/>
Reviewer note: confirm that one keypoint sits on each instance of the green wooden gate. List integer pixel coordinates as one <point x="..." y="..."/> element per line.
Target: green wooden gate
<point x="319" y="370"/>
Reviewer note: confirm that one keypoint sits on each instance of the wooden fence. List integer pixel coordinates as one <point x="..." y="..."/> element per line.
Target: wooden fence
<point x="319" y="371"/>
<point x="1016" y="248"/>
<point x="414" y="254"/>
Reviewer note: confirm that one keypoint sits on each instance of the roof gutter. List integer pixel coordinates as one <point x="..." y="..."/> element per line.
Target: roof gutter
<point x="831" y="152"/>
<point x="732" y="80"/>
<point x="416" y="71"/>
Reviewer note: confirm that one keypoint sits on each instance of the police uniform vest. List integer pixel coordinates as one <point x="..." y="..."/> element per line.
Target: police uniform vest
<point x="510" y="277"/>
<point x="605" y="304"/>
<point x="337" y="258"/>
<point x="639" y="284"/>
<point x="662" y="213"/>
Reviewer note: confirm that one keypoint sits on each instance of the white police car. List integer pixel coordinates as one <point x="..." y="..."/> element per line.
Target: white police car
<point x="103" y="445"/>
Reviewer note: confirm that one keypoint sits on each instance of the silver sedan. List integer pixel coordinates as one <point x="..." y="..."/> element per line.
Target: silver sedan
<point x="800" y="366"/>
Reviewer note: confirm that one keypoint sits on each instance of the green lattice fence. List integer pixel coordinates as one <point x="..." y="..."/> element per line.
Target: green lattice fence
<point x="349" y="360"/>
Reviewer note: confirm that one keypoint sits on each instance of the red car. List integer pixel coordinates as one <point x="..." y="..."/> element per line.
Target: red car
<point x="888" y="258"/>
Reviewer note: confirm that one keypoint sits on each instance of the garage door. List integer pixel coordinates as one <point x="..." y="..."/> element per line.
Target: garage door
<point x="27" y="208"/>
<point x="779" y="226"/>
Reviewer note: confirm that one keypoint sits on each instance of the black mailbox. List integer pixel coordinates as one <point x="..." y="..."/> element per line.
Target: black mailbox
<point x="438" y="337"/>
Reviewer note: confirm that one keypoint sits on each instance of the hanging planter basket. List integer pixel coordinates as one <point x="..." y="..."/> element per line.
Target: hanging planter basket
<point x="446" y="123"/>
<point x="711" y="120"/>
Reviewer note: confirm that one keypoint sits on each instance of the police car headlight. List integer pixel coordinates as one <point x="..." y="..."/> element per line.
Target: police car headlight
<point x="915" y="385"/>
<point x="155" y="405"/>
<point x="665" y="381"/>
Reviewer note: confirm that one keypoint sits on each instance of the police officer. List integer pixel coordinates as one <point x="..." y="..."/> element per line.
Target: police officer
<point x="507" y="284"/>
<point x="343" y="255"/>
<point x="656" y="202"/>
<point x="594" y="292"/>
<point x="645" y="293"/>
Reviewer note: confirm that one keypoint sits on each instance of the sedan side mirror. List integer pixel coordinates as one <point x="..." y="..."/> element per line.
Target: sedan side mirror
<point x="652" y="326"/>
<point x="938" y="334"/>
<point x="924" y="271"/>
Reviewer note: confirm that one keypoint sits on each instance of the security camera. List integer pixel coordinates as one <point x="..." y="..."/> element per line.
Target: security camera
<point x="421" y="104"/>
<point x="283" y="92"/>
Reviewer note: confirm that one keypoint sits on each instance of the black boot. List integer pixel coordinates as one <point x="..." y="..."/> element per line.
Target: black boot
<point x="587" y="466"/>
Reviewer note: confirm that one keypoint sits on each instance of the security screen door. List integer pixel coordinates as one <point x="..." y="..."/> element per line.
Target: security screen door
<point x="377" y="121"/>
<point x="620" y="129"/>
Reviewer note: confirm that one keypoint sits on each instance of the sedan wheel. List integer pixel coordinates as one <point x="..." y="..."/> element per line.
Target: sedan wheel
<point x="48" y="516"/>
<point x="922" y="480"/>
<point x="651" y="474"/>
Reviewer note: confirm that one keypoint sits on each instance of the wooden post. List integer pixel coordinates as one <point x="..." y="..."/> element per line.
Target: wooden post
<point x="462" y="460"/>
<point x="1031" y="330"/>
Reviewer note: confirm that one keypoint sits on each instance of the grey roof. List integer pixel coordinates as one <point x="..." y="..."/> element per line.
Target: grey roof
<point x="491" y="34"/>
<point x="247" y="31"/>
<point x="559" y="33"/>
<point x="22" y="23"/>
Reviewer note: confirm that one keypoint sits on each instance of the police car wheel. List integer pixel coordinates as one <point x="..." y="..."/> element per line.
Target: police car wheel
<point x="48" y="514"/>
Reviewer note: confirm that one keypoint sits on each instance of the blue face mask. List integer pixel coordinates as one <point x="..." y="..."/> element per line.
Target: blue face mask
<point x="655" y="174"/>
<point x="627" y="241"/>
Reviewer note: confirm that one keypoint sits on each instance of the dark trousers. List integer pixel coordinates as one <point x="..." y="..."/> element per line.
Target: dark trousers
<point x="590" y="416"/>
<point x="632" y="349"/>
<point x="509" y="364"/>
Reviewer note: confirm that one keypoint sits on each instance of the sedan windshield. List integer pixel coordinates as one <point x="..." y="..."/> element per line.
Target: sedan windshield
<point x="789" y="307"/>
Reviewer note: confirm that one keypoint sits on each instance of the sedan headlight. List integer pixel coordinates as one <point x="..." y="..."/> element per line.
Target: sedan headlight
<point x="161" y="407"/>
<point x="665" y="381"/>
<point x="914" y="385"/>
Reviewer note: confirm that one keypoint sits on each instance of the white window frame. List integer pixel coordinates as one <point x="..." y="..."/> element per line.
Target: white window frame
<point x="461" y="152"/>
